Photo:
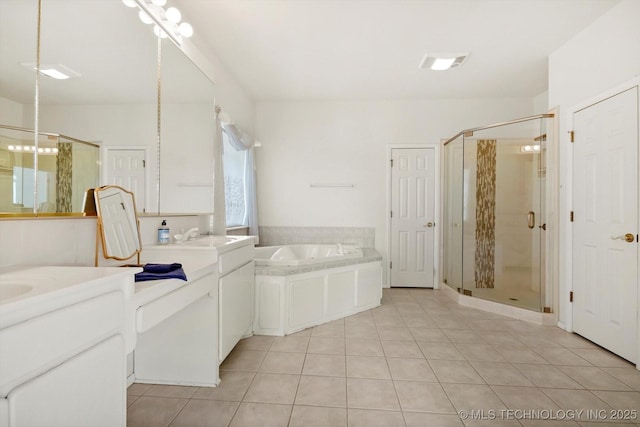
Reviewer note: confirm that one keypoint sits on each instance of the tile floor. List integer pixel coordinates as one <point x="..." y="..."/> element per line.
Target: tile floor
<point x="418" y="360"/>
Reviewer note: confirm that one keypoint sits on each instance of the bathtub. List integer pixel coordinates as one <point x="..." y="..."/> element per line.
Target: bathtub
<point x="300" y="286"/>
<point x="299" y="255"/>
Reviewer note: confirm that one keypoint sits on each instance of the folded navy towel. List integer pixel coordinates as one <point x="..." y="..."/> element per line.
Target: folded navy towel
<point x="161" y="271"/>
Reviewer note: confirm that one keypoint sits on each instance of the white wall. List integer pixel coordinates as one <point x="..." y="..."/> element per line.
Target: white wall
<point x="11" y="113"/>
<point x="602" y="56"/>
<point x="347" y="142"/>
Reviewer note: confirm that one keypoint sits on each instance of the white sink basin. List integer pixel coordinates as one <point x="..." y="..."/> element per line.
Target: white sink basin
<point x="12" y="290"/>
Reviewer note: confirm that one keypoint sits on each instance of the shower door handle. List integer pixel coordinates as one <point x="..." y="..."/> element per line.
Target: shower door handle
<point x="531" y="219"/>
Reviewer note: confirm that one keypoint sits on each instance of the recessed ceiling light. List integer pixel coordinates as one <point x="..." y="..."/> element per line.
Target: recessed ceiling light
<point x="443" y="61"/>
<point x="56" y="71"/>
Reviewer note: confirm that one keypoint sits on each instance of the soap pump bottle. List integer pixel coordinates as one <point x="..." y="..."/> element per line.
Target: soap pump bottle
<point x="163" y="233"/>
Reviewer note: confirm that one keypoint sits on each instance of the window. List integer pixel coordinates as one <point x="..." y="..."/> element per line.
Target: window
<point x="235" y="186"/>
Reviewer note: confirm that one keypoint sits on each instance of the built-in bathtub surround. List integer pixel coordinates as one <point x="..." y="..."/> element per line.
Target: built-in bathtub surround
<point x="485" y="213"/>
<point x="291" y="298"/>
<point x="363" y="237"/>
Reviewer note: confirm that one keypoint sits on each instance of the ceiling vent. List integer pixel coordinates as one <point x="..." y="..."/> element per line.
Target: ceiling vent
<point x="443" y="61"/>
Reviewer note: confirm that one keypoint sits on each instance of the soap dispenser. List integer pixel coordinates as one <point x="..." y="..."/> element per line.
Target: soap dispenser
<point x="163" y="233"/>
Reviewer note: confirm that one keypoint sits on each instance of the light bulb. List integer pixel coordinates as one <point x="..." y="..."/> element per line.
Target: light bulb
<point x="536" y="148"/>
<point x="159" y="2"/>
<point x="159" y="32"/>
<point x="11" y="147"/>
<point x="18" y="148"/>
<point x="527" y="148"/>
<point x="173" y="15"/>
<point x="47" y="150"/>
<point x="55" y="150"/>
<point x="129" y="3"/>
<point x="145" y="18"/>
<point x="40" y="150"/>
<point x="185" y="29"/>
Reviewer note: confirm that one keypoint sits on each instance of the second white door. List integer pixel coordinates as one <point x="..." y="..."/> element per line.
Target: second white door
<point x="412" y="217"/>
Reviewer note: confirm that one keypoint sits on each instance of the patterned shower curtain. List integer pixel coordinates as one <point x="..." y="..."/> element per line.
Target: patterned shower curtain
<point x="485" y="213"/>
<point x="64" y="167"/>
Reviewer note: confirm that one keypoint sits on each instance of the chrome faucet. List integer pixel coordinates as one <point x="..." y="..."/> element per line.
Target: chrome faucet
<point x="189" y="235"/>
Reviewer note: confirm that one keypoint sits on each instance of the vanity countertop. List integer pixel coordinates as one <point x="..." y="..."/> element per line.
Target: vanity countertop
<point x="29" y="291"/>
<point x="198" y="258"/>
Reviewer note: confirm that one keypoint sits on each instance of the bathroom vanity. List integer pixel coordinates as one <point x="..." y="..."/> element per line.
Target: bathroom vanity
<point x="182" y="331"/>
<point x="62" y="345"/>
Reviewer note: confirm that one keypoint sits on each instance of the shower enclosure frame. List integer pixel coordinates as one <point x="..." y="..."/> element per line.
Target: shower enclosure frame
<point x="548" y="203"/>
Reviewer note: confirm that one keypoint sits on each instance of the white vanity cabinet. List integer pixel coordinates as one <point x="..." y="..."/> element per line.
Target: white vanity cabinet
<point x="62" y="357"/>
<point x="236" y="297"/>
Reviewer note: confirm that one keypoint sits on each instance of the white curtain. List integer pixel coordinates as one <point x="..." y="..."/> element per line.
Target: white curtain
<point x="243" y="142"/>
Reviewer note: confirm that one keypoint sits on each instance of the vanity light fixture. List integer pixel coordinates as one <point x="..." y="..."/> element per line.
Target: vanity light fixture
<point x="443" y="61"/>
<point x="152" y="11"/>
<point x="530" y="149"/>
<point x="31" y="149"/>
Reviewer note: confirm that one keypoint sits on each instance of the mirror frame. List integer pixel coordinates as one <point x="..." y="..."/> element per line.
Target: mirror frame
<point x="129" y="206"/>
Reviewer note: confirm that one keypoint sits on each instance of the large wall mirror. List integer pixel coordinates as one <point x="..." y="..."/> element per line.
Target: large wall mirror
<point x="107" y="109"/>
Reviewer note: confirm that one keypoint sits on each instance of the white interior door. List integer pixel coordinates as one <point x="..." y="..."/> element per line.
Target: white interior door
<point x="412" y="217"/>
<point x="605" y="203"/>
<point x="126" y="168"/>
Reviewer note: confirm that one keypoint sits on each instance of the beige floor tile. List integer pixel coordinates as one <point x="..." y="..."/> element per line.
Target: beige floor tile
<point x="373" y="418"/>
<point x="546" y="376"/>
<point x="623" y="401"/>
<point x="429" y="334"/>
<point x="371" y="394"/>
<point x="421" y="419"/>
<point x="418" y="320"/>
<point x="367" y="367"/>
<point x="256" y="342"/>
<point x="177" y="391"/>
<point x="473" y="397"/>
<point x="137" y="389"/>
<point x="479" y="352"/>
<point x="261" y="415"/>
<point x="440" y="350"/>
<point x="602" y="358"/>
<point x="326" y="345"/>
<point x="290" y="344"/>
<point x="524" y="398"/>
<point x="361" y="331"/>
<point x="232" y="387"/>
<point x="463" y="336"/>
<point x="576" y="400"/>
<point x="594" y="378"/>
<point x="363" y="347"/>
<point x="630" y="376"/>
<point x="496" y="337"/>
<point x="332" y="329"/>
<point x="131" y="398"/>
<point x="394" y="334"/>
<point x="322" y="391"/>
<point x="451" y="322"/>
<point x="401" y="349"/>
<point x="455" y="371"/>
<point x="243" y="360"/>
<point x="497" y="373"/>
<point x="206" y="413"/>
<point x="389" y="320"/>
<point x="282" y="363"/>
<point x="150" y="411"/>
<point x="423" y="397"/>
<point x="273" y="388"/>
<point x="519" y="354"/>
<point x="411" y="369"/>
<point x="561" y="356"/>
<point x="331" y="365"/>
<point x="315" y="416"/>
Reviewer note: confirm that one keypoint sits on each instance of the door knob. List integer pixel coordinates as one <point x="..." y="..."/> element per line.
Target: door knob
<point x="430" y="224"/>
<point x="627" y="237"/>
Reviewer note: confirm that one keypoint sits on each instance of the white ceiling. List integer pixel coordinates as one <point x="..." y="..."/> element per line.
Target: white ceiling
<point x="370" y="49"/>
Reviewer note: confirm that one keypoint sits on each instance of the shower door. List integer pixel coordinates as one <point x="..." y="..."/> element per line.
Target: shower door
<point x="503" y="220"/>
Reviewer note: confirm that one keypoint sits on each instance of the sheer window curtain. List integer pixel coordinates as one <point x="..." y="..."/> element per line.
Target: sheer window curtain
<point x="240" y="141"/>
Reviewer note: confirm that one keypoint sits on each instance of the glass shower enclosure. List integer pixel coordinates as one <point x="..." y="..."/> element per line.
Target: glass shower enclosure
<point x="494" y="212"/>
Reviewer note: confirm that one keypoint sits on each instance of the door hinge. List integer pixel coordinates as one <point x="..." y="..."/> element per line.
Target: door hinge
<point x="391" y="162"/>
<point x="391" y="214"/>
<point x="572" y="136"/>
<point x="390" y="264"/>
<point x="144" y="163"/>
<point x="570" y="296"/>
<point x="571" y="216"/>
<point x="445" y="281"/>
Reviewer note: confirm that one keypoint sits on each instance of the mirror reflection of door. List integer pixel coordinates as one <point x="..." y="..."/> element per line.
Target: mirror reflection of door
<point x="126" y="169"/>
